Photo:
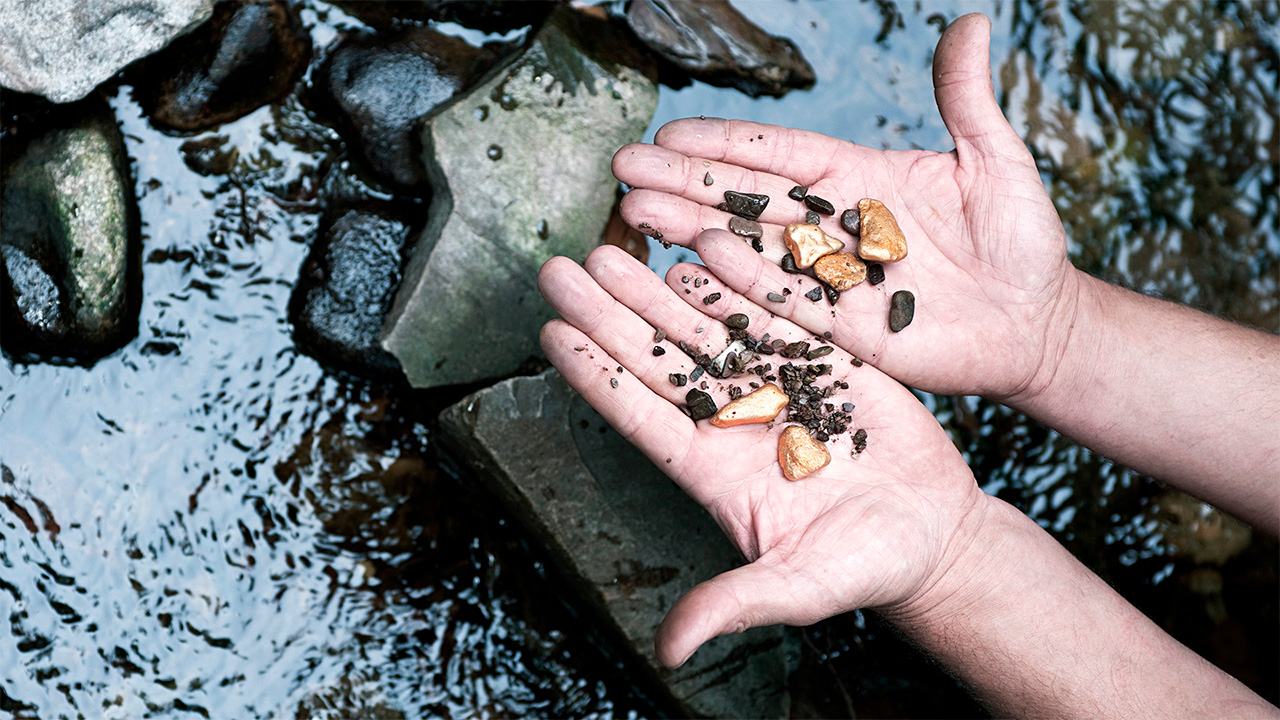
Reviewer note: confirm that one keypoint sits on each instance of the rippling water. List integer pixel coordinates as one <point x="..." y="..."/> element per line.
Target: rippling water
<point x="209" y="522"/>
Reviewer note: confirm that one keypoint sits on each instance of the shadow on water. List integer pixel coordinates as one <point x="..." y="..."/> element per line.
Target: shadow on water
<point x="209" y="522"/>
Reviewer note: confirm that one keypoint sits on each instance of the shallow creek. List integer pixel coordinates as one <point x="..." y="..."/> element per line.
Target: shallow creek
<point x="209" y="522"/>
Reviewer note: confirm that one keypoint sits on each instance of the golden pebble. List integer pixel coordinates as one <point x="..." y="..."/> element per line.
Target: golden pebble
<point x="759" y="406"/>
<point x="881" y="240"/>
<point x="840" y="270"/>
<point x="799" y="454"/>
<point x="807" y="243"/>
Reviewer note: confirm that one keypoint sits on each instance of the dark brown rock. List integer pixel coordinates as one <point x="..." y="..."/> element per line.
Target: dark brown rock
<point x="851" y="221"/>
<point x="701" y="406"/>
<point x="745" y="205"/>
<point x="746" y="228"/>
<point x="247" y="55"/>
<point x="902" y="308"/>
<point x="875" y="273"/>
<point x="798" y="192"/>
<point x="712" y="42"/>
<point x="819" y="205"/>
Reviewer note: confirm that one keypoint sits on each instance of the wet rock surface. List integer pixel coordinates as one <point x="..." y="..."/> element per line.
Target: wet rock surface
<point x="622" y="535"/>
<point x="469" y="307"/>
<point x="487" y="15"/>
<point x="62" y="49"/>
<point x="714" y="43"/>
<point x="69" y="239"/>
<point x="377" y="87"/>
<point x="248" y="54"/>
<point x="346" y="287"/>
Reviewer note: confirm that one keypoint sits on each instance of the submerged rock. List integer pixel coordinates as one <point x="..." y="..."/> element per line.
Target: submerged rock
<point x="469" y="307"/>
<point x="250" y="53"/>
<point x="69" y="239"/>
<point x="486" y="15"/>
<point x="63" y="49"/>
<point x="625" y="539"/>
<point x="346" y="287"/>
<point x="714" y="43"/>
<point x="377" y="86"/>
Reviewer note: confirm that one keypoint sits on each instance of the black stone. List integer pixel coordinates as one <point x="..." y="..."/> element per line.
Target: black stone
<point x="812" y="218"/>
<point x="678" y="379"/>
<point x="346" y="286"/>
<point x="775" y="297"/>
<point x="789" y="265"/>
<point x="658" y="351"/>
<point x="378" y="86"/>
<point x="818" y="352"/>
<point x="819" y="205"/>
<point x="708" y="180"/>
<point x="902" y="308"/>
<point x="814" y="294"/>
<point x="757" y="245"/>
<point x="745" y="205"/>
<point x="875" y="273"/>
<point x="737" y="321"/>
<point x="833" y="295"/>
<point x="860" y="440"/>
<point x="701" y="406"/>
<point x="798" y="192"/>
<point x="249" y="53"/>
<point x="851" y="221"/>
<point x="794" y="350"/>
<point x="710" y="299"/>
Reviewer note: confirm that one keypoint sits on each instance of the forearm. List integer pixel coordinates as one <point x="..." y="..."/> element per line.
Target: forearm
<point x="1177" y="394"/>
<point x="1036" y="634"/>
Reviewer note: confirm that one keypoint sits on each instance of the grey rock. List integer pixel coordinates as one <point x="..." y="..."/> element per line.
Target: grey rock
<point x="902" y="308"/>
<point x="714" y="43"/>
<point x="627" y="540"/>
<point x="346" y="287"/>
<point x="69" y="238"/>
<point x="469" y="306"/>
<point x="248" y="54"/>
<point x="63" y="49"/>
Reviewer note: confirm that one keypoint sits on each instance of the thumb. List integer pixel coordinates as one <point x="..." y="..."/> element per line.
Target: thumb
<point x="732" y="602"/>
<point x="966" y="98"/>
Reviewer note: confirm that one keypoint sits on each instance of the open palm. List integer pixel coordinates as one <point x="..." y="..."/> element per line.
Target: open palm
<point x="987" y="259"/>
<point x="874" y="528"/>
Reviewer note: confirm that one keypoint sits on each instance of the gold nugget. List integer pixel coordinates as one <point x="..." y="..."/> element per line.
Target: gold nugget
<point x="840" y="270"/>
<point x="880" y="240"/>
<point x="760" y="406"/>
<point x="799" y="454"/>
<point x="807" y="243"/>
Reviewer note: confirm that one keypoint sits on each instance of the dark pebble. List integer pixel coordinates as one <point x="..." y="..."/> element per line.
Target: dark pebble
<point x="697" y="373"/>
<point x="658" y="351"/>
<point x="798" y="192"/>
<point x="814" y="294"/>
<point x="737" y="321"/>
<point x="659" y="335"/>
<point x="902" y="308"/>
<point x="789" y="265"/>
<point x="613" y="382"/>
<point x="744" y="227"/>
<point x="860" y="441"/>
<point x="735" y="392"/>
<point x="816" y="353"/>
<point x="757" y="245"/>
<point x="710" y="298"/>
<point x="678" y="379"/>
<point x="819" y="205"/>
<point x="708" y="180"/>
<point x="857" y="362"/>
<point x="775" y="297"/>
<point x="833" y="295"/>
<point x="847" y="407"/>
<point x="747" y="205"/>
<point x="851" y="221"/>
<point x="723" y="207"/>
<point x="795" y="350"/>
<point x="812" y="218"/>
<point x="701" y="406"/>
<point x="875" y="273"/>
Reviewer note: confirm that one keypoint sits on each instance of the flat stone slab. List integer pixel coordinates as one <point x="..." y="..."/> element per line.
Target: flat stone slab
<point x="627" y="538"/>
<point x="519" y="168"/>
<point x="63" y="49"/>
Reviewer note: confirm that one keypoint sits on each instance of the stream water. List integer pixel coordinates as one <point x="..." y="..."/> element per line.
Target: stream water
<point x="208" y="522"/>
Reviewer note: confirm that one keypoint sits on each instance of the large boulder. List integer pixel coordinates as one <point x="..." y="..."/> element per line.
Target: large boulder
<point x="519" y="168"/>
<point x="625" y="538"/>
<point x="69" y="238"/>
<point x="63" y="49"/>
<point x="248" y="54"/>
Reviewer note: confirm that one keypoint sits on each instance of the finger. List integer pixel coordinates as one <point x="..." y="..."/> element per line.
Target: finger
<point x="750" y="596"/>
<point x="802" y="156"/>
<point x="659" y="430"/>
<point x="681" y="221"/>
<point x="965" y="95"/>
<point x="658" y="168"/>
<point x="618" y="331"/>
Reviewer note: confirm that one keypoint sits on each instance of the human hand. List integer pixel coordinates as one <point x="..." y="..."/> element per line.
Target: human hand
<point x="995" y="294"/>
<point x="875" y="529"/>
